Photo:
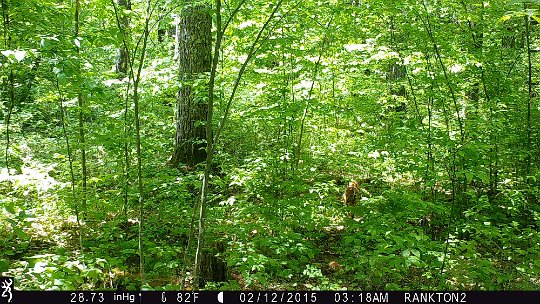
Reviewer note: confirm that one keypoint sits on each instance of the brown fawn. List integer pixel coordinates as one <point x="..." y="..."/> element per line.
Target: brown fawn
<point x="352" y="192"/>
<point x="349" y="197"/>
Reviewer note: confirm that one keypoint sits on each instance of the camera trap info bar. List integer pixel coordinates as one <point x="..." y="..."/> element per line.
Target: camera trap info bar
<point x="8" y="294"/>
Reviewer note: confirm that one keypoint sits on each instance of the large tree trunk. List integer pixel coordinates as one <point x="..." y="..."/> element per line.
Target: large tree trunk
<point x="195" y="46"/>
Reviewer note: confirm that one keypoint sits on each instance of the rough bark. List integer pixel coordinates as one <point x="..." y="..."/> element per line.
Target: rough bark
<point x="194" y="50"/>
<point x="121" y="62"/>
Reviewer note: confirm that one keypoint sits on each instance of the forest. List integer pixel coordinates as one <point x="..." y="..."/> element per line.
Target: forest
<point x="270" y="145"/>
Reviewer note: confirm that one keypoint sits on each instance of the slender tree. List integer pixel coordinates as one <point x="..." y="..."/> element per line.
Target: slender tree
<point x="11" y="81"/>
<point x="209" y="145"/>
<point x="61" y="101"/>
<point x="81" y="104"/>
<point x="209" y="119"/>
<point x="140" y="185"/>
<point x="529" y="91"/>
<point x="5" y="17"/>
<point x="136" y="72"/>
<point x="121" y="65"/>
<point x="324" y="46"/>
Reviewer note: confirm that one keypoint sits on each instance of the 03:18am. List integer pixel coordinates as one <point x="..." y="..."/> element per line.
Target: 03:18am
<point x="361" y="297"/>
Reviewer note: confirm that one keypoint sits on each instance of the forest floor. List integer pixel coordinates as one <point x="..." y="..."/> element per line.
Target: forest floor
<point x="301" y="237"/>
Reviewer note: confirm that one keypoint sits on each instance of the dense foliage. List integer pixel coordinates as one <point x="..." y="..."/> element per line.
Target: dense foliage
<point x="431" y="106"/>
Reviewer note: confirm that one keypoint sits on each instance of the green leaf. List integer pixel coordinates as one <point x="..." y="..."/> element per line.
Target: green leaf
<point x="94" y="274"/>
<point x="4" y="265"/>
<point x="20" y="233"/>
<point x="522" y="1"/>
<point x="505" y="17"/>
<point x="10" y="209"/>
<point x="12" y="222"/>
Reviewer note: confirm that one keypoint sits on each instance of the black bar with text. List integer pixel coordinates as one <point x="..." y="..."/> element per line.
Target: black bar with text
<point x="267" y="297"/>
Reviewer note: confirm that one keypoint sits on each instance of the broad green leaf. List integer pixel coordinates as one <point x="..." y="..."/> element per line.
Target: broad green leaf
<point x="4" y="265"/>
<point x="10" y="209"/>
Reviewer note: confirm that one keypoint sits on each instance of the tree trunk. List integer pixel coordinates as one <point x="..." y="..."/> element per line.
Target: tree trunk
<point x="81" y="104"/>
<point x="530" y="92"/>
<point x="195" y="46"/>
<point x="121" y="63"/>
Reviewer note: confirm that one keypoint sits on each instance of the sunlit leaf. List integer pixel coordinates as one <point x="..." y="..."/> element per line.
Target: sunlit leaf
<point x="18" y="55"/>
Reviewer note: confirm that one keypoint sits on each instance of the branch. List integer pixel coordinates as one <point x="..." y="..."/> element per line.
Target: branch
<point x="243" y="69"/>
